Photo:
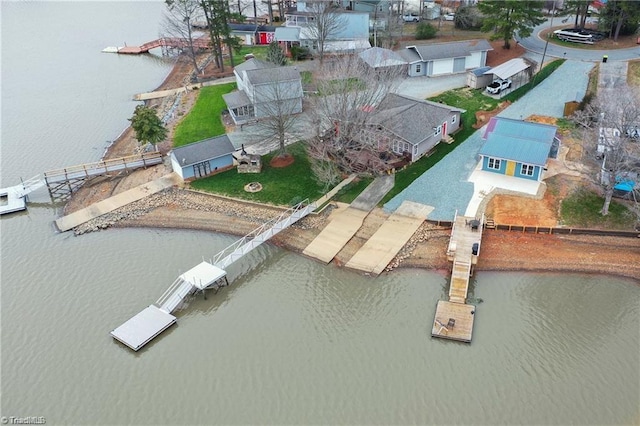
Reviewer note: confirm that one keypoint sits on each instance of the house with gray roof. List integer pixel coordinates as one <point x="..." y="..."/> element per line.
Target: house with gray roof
<point x="200" y="159"/>
<point x="446" y="58"/>
<point x="518" y="148"/>
<point x="410" y="126"/>
<point x="263" y="88"/>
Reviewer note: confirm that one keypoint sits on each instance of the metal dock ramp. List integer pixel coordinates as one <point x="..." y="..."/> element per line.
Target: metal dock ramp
<point x="153" y="320"/>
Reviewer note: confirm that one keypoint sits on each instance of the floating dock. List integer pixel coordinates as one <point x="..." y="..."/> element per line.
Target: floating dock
<point x="153" y="320"/>
<point x="454" y="318"/>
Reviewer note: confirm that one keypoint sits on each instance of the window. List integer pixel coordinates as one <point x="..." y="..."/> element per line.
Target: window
<point x="418" y="68"/>
<point x="527" y="170"/>
<point x="494" y="163"/>
<point x="438" y="130"/>
<point x="453" y="119"/>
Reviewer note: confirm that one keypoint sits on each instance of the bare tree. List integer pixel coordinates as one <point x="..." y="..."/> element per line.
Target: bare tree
<point x="277" y="104"/>
<point x="178" y="22"/>
<point x="326" y="21"/>
<point x="614" y="119"/>
<point x="348" y="93"/>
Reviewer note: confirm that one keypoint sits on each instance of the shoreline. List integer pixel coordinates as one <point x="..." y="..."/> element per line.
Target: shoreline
<point x="182" y="209"/>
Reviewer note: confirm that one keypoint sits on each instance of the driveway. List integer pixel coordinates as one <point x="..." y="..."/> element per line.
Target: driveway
<point x="424" y="87"/>
<point x="446" y="187"/>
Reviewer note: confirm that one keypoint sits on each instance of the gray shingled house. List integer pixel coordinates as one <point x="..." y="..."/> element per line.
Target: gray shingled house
<point x="260" y="85"/>
<point x="200" y="159"/>
<point x="410" y="126"/>
<point x="446" y="58"/>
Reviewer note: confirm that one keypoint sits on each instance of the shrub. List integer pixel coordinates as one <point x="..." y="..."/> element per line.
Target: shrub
<point x="425" y="31"/>
<point x="299" y="53"/>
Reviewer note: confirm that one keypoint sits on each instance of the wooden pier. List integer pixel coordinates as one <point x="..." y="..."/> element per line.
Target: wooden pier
<point x="63" y="182"/>
<point x="454" y="318"/>
<point x="166" y="43"/>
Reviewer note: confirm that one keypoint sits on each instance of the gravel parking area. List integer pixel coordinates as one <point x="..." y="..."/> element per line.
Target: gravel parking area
<point x="445" y="186"/>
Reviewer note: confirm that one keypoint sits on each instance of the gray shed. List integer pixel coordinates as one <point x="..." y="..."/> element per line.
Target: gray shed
<point x="478" y="79"/>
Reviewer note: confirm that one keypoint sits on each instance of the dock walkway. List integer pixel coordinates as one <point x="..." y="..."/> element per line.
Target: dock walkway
<point x="345" y="224"/>
<point x="153" y="320"/>
<point x="454" y="318"/>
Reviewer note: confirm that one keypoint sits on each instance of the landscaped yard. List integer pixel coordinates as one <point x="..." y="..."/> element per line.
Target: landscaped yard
<point x="204" y="121"/>
<point x="582" y="209"/>
<point x="280" y="186"/>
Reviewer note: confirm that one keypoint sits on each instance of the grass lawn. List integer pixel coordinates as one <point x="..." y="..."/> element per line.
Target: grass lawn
<point x="204" y="120"/>
<point x="281" y="186"/>
<point x="582" y="209"/>
<point x="633" y="77"/>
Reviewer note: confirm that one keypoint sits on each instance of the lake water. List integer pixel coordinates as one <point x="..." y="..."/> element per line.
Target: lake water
<point x="291" y="341"/>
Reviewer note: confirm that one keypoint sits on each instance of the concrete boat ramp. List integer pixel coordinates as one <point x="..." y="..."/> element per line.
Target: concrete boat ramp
<point x="383" y="246"/>
<point x="72" y="220"/>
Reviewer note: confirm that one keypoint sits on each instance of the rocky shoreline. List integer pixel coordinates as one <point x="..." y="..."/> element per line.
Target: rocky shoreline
<point x="179" y="208"/>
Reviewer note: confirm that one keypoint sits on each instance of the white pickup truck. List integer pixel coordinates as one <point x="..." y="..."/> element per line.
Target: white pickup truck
<point x="498" y="86"/>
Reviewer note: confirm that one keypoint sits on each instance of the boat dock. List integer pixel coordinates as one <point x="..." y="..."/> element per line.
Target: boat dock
<point x="153" y="320"/>
<point x="454" y="318"/>
<point x="165" y="43"/>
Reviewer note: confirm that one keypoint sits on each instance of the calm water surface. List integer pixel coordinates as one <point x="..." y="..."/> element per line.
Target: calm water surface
<point x="291" y="341"/>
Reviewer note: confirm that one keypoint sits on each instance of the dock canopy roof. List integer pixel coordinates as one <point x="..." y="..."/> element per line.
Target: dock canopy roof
<point x="203" y="275"/>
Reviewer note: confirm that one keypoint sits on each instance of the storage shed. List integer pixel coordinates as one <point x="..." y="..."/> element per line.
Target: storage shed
<point x="200" y="159"/>
<point x="478" y="78"/>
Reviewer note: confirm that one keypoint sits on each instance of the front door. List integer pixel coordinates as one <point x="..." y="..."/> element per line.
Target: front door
<point x="444" y="130"/>
<point x="511" y="168"/>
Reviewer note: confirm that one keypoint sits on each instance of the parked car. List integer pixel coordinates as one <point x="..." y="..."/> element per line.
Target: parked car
<point x="450" y="17"/>
<point x="498" y="86"/>
<point x="411" y="17"/>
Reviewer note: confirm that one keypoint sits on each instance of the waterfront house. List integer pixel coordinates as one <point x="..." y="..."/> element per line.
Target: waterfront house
<point x="518" y="148"/>
<point x="410" y="126"/>
<point x="260" y="85"/>
<point x="200" y="159"/>
<point x="351" y="36"/>
<point x="446" y="58"/>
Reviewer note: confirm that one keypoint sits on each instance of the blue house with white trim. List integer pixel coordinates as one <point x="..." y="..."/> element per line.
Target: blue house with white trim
<point x="518" y="148"/>
<point x="204" y="158"/>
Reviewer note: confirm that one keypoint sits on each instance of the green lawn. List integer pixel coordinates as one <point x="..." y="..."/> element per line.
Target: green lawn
<point x="281" y="186"/>
<point x="582" y="209"/>
<point x="204" y="121"/>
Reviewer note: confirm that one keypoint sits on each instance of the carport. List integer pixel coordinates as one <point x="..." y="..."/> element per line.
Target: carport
<point x="518" y="70"/>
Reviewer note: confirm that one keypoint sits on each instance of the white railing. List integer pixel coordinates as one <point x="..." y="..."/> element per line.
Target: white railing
<point x="259" y="235"/>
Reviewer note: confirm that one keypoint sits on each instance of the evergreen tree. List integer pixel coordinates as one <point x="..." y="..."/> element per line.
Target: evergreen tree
<point x="275" y="55"/>
<point x="147" y="126"/>
<point x="506" y="17"/>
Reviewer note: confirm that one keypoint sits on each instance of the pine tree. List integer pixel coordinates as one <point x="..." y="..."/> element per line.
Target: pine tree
<point x="506" y="17"/>
<point x="147" y="125"/>
<point x="275" y="55"/>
